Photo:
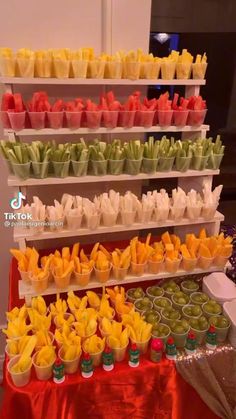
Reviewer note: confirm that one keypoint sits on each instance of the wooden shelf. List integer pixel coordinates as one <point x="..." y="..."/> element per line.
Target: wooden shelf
<point x="14" y="181"/>
<point x="118" y="130"/>
<point x="25" y="234"/>
<point x="119" y="82"/>
<point x="26" y="291"/>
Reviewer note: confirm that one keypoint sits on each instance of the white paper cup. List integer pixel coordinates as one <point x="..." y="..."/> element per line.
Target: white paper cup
<point x="189" y="264"/>
<point x="79" y="68"/>
<point x="180" y="338"/>
<point x="138" y="269"/>
<point x="142" y="346"/>
<point x="7" y="352"/>
<point x="43" y="373"/>
<point x="25" y="67"/>
<point x="109" y="220"/>
<point x="199" y="70"/>
<point x="155" y="267"/>
<point x="131" y="70"/>
<point x="145" y="216"/>
<point x="220" y="261"/>
<point x="72" y="366"/>
<point x="161" y="214"/>
<point x="74" y="221"/>
<point x="113" y="69"/>
<point x="128" y="218"/>
<point x="82" y="279"/>
<point x="168" y="69"/>
<point x="57" y="225"/>
<point x="172" y="266"/>
<point x="61" y="68"/>
<point x="119" y="273"/>
<point x="208" y="211"/>
<point x="62" y="282"/>
<point x="102" y="275"/>
<point x="19" y="379"/>
<point x="194" y="212"/>
<point x="96" y="69"/>
<point x="205" y="263"/>
<point x="177" y="213"/>
<point x="39" y="285"/>
<point x="7" y="66"/>
<point x="93" y="221"/>
<point x="119" y="353"/>
<point x="25" y="276"/>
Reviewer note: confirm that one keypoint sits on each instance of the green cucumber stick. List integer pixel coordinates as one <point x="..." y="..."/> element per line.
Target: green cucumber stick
<point x="17" y="150"/>
<point x="12" y="157"/>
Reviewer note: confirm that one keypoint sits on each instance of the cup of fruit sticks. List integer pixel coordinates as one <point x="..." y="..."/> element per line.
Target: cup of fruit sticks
<point x="71" y="366"/>
<point x="17" y="120"/>
<point x="144" y="118"/>
<point x="5" y="120"/>
<point x="74" y="219"/>
<point x="116" y="167"/>
<point x="126" y="118"/>
<point x="113" y="69"/>
<point x="196" y="117"/>
<point x="80" y="168"/>
<point x="138" y="269"/>
<point x="73" y="119"/>
<point x="142" y="346"/>
<point x="172" y="265"/>
<point x="168" y="67"/>
<point x="79" y="68"/>
<point x="131" y="70"/>
<point x="55" y="119"/>
<point x="7" y="63"/>
<point x="25" y="66"/>
<point x="37" y="119"/>
<point x="19" y="379"/>
<point x="156" y="266"/>
<point x="183" y="70"/>
<point x="102" y="275"/>
<point x="180" y="117"/>
<point x="199" y="67"/>
<point x="61" y="67"/>
<point x="110" y="118"/>
<point x="150" y="70"/>
<point x="96" y="69"/>
<point x="43" y="64"/>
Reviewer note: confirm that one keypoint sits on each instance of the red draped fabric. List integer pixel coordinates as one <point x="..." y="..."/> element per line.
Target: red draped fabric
<point x="151" y="391"/>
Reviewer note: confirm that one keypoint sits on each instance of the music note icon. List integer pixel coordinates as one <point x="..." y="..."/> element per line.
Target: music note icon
<point x="16" y="203"/>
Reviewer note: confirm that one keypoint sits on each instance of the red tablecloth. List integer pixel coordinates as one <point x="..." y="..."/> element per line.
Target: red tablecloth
<point x="148" y="392"/>
<point x="151" y="391"/>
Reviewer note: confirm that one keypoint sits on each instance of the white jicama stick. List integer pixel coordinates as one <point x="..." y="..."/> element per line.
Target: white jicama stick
<point x="178" y="203"/>
<point x="67" y="202"/>
<point x="74" y="212"/>
<point x="194" y="204"/>
<point x="78" y="201"/>
<point x="115" y="200"/>
<point x="64" y="198"/>
<point x="59" y="209"/>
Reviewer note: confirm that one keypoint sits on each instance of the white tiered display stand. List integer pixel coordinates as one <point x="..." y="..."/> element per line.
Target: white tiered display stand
<point x="190" y="179"/>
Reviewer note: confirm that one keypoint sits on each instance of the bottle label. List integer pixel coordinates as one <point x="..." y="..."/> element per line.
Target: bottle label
<point x="58" y="372"/>
<point x="134" y="358"/>
<point x="108" y="359"/>
<point x="156" y="356"/>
